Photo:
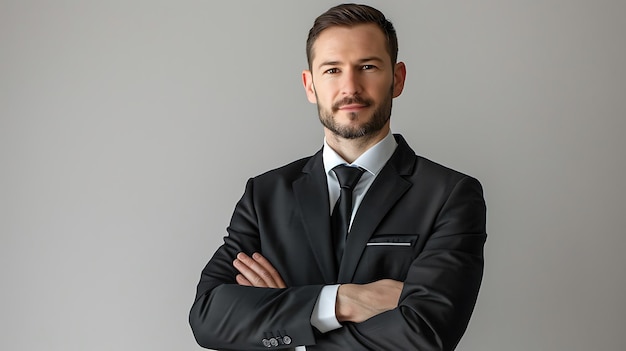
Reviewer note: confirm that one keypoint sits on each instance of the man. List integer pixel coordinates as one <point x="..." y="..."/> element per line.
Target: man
<point x="395" y="266"/>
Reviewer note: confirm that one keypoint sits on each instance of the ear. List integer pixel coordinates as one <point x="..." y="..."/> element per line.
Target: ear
<point x="309" y="88"/>
<point x="399" y="75"/>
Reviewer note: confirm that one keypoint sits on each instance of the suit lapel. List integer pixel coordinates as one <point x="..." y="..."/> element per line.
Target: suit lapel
<point x="311" y="193"/>
<point x="387" y="189"/>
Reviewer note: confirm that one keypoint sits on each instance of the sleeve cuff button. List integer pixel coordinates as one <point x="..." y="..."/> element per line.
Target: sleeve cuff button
<point x="266" y="343"/>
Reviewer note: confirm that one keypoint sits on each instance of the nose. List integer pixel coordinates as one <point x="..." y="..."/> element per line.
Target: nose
<point x="351" y="84"/>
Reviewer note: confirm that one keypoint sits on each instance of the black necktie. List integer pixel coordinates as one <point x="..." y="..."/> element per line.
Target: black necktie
<point x="348" y="177"/>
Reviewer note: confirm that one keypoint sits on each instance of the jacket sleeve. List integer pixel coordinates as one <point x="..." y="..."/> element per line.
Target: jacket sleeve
<point x="440" y="289"/>
<point x="226" y="315"/>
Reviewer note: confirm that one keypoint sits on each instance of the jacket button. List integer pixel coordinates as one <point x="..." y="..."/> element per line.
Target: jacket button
<point x="266" y="343"/>
<point x="286" y="340"/>
<point x="273" y="342"/>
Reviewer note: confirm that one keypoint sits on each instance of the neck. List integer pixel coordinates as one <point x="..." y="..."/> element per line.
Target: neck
<point x="351" y="149"/>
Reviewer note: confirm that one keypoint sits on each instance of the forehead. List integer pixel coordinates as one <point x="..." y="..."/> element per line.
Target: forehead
<point x="339" y="43"/>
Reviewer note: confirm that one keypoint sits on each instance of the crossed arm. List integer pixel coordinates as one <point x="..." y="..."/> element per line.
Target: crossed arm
<point x="355" y="302"/>
<point x="240" y="301"/>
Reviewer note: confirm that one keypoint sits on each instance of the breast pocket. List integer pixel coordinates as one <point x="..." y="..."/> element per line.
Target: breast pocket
<point x="392" y="240"/>
<point x="389" y="256"/>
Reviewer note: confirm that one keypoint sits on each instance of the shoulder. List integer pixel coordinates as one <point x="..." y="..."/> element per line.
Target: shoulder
<point x="430" y="176"/>
<point x="291" y="171"/>
<point x="439" y="179"/>
<point x="419" y="168"/>
<point x="427" y="167"/>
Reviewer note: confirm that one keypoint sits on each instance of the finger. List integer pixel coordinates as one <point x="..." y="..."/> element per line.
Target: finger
<point x="278" y="280"/>
<point x="263" y="276"/>
<point x="241" y="280"/>
<point x="248" y="273"/>
<point x="259" y="273"/>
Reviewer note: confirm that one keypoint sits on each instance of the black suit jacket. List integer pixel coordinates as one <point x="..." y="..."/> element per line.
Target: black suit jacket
<point x="420" y="223"/>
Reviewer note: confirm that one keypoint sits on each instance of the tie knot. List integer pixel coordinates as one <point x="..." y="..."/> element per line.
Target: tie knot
<point x="348" y="176"/>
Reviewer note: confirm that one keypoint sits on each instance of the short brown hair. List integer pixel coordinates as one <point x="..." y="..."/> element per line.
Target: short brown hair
<point x="349" y="15"/>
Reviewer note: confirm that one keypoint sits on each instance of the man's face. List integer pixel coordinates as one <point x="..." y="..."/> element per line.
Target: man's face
<point x="353" y="81"/>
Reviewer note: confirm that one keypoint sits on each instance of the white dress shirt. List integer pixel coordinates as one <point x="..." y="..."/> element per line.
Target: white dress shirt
<point x="372" y="161"/>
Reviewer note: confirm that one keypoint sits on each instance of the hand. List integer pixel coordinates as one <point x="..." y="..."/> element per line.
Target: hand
<point x="257" y="271"/>
<point x="359" y="302"/>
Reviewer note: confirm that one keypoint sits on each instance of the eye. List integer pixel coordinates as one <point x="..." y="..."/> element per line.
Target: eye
<point x="332" y="71"/>
<point x="368" y="67"/>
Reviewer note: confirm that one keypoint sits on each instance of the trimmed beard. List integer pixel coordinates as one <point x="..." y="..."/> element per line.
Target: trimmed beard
<point x="379" y="117"/>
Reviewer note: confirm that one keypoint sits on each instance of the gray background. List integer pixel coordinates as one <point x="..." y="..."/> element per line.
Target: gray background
<point x="128" y="130"/>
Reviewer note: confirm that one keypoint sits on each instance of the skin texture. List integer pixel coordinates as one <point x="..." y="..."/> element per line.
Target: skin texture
<point x="257" y="271"/>
<point x="355" y="302"/>
<point x="353" y="82"/>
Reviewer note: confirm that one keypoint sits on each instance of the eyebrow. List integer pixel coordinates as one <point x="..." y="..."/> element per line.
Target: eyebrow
<point x="363" y="60"/>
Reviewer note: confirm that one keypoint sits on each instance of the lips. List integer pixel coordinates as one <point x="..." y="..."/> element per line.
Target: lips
<point x="352" y="104"/>
<point x="352" y="107"/>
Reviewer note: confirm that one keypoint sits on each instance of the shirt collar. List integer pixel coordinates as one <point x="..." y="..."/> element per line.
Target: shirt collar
<point x="371" y="160"/>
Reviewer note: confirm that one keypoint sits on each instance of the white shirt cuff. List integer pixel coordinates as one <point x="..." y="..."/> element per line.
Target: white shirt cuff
<point x="323" y="317"/>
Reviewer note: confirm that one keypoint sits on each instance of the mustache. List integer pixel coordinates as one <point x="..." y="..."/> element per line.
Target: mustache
<point x="356" y="99"/>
